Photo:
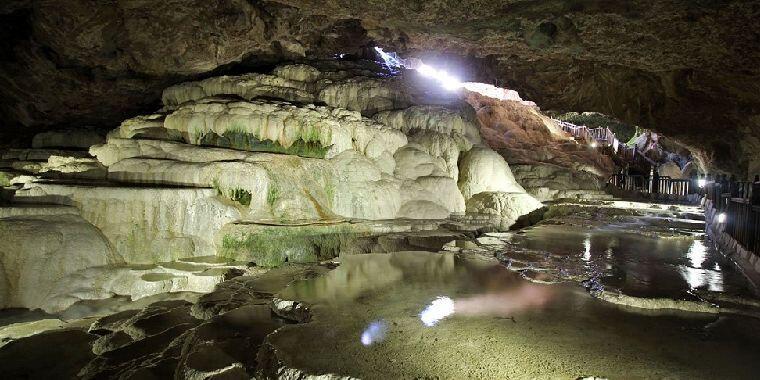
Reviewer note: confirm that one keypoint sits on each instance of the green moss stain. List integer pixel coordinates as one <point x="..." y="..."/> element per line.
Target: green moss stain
<point x="238" y="195"/>
<point x="217" y="187"/>
<point x="271" y="247"/>
<point x="234" y="138"/>
<point x="5" y="179"/>
<point x="330" y="192"/>
<point x="273" y="194"/>
<point x="241" y="196"/>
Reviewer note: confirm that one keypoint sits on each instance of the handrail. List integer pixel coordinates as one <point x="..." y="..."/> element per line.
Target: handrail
<point x="679" y="189"/>
<point x="604" y="137"/>
<point x="734" y="202"/>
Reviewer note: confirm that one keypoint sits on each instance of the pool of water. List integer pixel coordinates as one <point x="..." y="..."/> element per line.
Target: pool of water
<point x="636" y="263"/>
<point x="430" y="315"/>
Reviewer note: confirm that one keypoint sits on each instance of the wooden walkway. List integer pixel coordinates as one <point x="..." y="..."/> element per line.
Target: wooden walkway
<point x="605" y="138"/>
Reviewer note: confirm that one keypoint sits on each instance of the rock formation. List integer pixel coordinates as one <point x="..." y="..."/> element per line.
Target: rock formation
<point x="247" y="169"/>
<point x="544" y="159"/>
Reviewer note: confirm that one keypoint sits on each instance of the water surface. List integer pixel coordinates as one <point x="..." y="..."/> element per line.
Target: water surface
<point x="502" y="326"/>
<point x="636" y="263"/>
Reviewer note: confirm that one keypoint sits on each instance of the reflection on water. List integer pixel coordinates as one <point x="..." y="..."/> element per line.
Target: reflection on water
<point x="374" y="333"/>
<point x="440" y="308"/>
<point x="418" y="314"/>
<point x="638" y="265"/>
<point x="587" y="248"/>
<point x="361" y="273"/>
<point x="490" y="289"/>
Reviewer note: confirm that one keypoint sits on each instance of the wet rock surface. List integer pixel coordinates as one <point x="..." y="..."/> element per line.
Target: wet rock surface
<point x="498" y="326"/>
<point x="217" y="335"/>
<point x="370" y="315"/>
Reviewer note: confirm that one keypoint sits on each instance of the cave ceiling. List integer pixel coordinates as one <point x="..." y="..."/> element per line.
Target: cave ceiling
<point x="687" y="68"/>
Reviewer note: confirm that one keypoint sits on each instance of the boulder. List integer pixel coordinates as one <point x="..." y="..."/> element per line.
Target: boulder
<point x="481" y="169"/>
<point x="506" y="207"/>
<point x="422" y="209"/>
<point x="413" y="162"/>
<point x="37" y="252"/>
<point x="548" y="182"/>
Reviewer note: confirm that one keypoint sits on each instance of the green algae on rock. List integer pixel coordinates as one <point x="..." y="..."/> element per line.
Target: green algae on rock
<point x="271" y="246"/>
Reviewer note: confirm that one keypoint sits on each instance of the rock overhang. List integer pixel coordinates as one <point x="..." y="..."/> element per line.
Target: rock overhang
<point x="682" y="68"/>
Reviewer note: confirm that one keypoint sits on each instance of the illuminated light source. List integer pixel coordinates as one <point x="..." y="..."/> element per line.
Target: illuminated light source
<point x="391" y="59"/>
<point x="701" y="182"/>
<point x="439" y="309"/>
<point x="374" y="333"/>
<point x="722" y="217"/>
<point x="593" y="144"/>
<point x="448" y="81"/>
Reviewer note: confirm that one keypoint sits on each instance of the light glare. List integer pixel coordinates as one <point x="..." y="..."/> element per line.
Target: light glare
<point x="448" y="81"/>
<point x="374" y="333"/>
<point x="722" y="217"/>
<point x="439" y="309"/>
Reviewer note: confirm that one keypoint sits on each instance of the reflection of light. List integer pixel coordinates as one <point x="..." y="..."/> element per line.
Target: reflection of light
<point x="374" y="333"/>
<point x="697" y="253"/>
<point x="587" y="248"/>
<point x="701" y="182"/>
<point x="440" y="308"/>
<point x="721" y="217"/>
<point x="697" y="278"/>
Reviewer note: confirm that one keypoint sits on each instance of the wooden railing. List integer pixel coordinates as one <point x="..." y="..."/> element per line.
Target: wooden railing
<point x="742" y="218"/>
<point x="743" y="223"/>
<point x="604" y="137"/>
<point x="673" y="189"/>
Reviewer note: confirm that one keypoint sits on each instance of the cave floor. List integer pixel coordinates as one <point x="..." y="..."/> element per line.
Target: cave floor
<point x="675" y="302"/>
<point x="502" y="327"/>
<point x="616" y="290"/>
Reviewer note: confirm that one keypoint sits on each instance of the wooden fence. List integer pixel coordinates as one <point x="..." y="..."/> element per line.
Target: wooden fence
<point x="742" y="218"/>
<point x="665" y="187"/>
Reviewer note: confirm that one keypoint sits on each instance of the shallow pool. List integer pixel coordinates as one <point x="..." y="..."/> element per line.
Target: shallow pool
<point x="430" y="315"/>
<point x="630" y="259"/>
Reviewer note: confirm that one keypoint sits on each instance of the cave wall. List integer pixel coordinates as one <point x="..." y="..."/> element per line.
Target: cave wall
<point x="682" y="67"/>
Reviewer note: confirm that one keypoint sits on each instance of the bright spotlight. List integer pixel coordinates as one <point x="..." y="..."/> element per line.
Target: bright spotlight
<point x="440" y="308"/>
<point x="722" y="217"/>
<point x="426" y="70"/>
<point x="701" y="182"/>
<point x="593" y="144"/>
<point x="448" y="81"/>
